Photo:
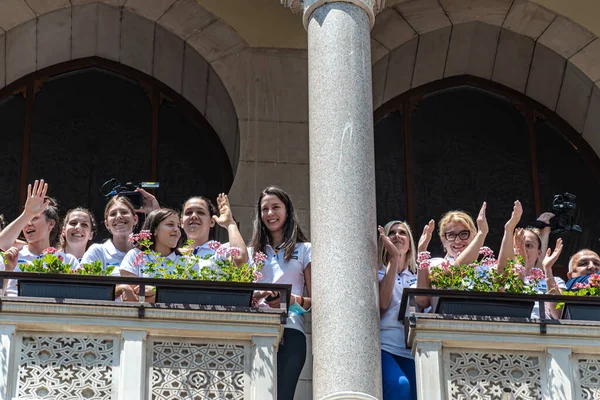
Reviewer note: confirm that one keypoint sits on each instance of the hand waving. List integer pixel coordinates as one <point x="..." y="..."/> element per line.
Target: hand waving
<point x="426" y="236"/>
<point x="225" y="217"/>
<point x="36" y="198"/>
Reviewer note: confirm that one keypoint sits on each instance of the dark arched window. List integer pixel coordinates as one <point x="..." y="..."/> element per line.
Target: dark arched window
<point x="462" y="141"/>
<point x="79" y="128"/>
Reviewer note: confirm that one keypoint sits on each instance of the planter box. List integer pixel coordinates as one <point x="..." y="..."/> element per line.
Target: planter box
<point x="66" y="290"/>
<point x="222" y="297"/>
<point x="482" y="307"/>
<point x="584" y="312"/>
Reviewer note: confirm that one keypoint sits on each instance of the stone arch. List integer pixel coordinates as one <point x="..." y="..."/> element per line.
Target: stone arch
<point x="175" y="41"/>
<point x="518" y="44"/>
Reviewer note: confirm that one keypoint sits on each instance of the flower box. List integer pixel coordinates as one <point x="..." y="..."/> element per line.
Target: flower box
<point x="583" y="312"/>
<point x="484" y="307"/>
<point x="66" y="290"/>
<point x="212" y="297"/>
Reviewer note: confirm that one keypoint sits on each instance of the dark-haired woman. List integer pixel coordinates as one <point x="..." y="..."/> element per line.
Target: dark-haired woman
<point x="163" y="225"/>
<point x="40" y="225"/>
<point x="79" y="227"/>
<point x="277" y="233"/>
<point x="199" y="216"/>
<point x="120" y="219"/>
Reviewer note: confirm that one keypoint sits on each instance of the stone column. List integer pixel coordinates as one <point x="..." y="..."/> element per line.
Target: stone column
<point x="7" y="334"/>
<point x="346" y="355"/>
<point x="560" y="373"/>
<point x="133" y="383"/>
<point x="430" y="370"/>
<point x="264" y="367"/>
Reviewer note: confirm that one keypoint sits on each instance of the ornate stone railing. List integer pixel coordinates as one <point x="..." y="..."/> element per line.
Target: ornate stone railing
<point x="85" y="349"/>
<point x="499" y="358"/>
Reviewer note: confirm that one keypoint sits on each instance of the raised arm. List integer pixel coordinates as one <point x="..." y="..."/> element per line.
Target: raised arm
<point x="507" y="248"/>
<point x="545" y="231"/>
<point x="34" y="206"/>
<point x="472" y="251"/>
<point x="549" y="261"/>
<point x="423" y="281"/>
<point x="386" y="285"/>
<point x="225" y="220"/>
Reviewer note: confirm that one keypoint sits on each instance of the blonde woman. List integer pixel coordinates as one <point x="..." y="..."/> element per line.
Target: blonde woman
<point x="461" y="241"/>
<point x="398" y="266"/>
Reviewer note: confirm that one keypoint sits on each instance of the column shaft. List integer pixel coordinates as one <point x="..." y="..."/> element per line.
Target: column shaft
<point x="347" y="360"/>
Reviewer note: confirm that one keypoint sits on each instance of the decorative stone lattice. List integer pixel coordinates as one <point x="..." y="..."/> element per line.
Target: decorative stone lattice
<point x="197" y="371"/>
<point x="589" y="378"/>
<point x="65" y="368"/>
<point x="474" y="375"/>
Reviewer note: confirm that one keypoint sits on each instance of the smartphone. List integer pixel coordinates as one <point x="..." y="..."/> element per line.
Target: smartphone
<point x="271" y="298"/>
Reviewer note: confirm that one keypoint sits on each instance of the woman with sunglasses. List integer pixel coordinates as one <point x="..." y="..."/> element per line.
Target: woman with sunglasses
<point x="461" y="241"/>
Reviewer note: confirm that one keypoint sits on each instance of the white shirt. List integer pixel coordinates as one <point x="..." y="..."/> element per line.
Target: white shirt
<point x="106" y="253"/>
<point x="392" y="330"/>
<point x="204" y="251"/>
<point x="26" y="257"/>
<point x="542" y="288"/>
<point x="128" y="263"/>
<point x="276" y="270"/>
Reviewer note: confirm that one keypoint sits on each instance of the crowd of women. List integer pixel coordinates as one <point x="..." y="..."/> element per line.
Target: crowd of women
<point x="277" y="234"/>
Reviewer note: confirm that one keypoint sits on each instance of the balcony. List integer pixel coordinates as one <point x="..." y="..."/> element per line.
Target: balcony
<point x="92" y="349"/>
<point x="503" y="358"/>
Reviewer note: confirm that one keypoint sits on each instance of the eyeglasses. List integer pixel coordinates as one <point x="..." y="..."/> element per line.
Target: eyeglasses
<point x="451" y="236"/>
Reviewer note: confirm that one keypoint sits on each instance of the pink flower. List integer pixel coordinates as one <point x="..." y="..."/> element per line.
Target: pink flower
<point x="423" y="256"/>
<point x="49" y="250"/>
<point x="140" y="260"/>
<point x="594" y="280"/>
<point x="260" y="257"/>
<point x="519" y="268"/>
<point x="425" y="264"/>
<point x="580" y="285"/>
<point x="61" y="258"/>
<point x="145" y="235"/>
<point x="536" y="274"/>
<point x="222" y="251"/>
<point x="445" y="265"/>
<point x="488" y="261"/>
<point x="235" y="251"/>
<point x="257" y="276"/>
<point x="486" y="252"/>
<point x="214" y="245"/>
<point x="133" y="238"/>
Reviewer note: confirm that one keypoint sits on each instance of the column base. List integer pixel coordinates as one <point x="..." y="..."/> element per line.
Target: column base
<point x="349" y="396"/>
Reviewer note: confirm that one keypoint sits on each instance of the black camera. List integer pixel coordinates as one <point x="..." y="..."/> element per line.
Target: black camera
<point x="563" y="207"/>
<point x="115" y="188"/>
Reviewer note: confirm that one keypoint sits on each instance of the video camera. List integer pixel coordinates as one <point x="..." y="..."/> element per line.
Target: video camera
<point x="113" y="187"/>
<point x="563" y="207"/>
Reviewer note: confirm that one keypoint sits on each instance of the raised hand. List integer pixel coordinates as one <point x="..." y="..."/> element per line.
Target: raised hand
<point x="225" y="217"/>
<point x="545" y="218"/>
<point x="149" y="202"/>
<point x="520" y="244"/>
<point x="11" y="256"/>
<point x="515" y="217"/>
<point x="426" y="236"/>
<point x="552" y="256"/>
<point x="482" y="224"/>
<point x="36" y="201"/>
<point x="388" y="245"/>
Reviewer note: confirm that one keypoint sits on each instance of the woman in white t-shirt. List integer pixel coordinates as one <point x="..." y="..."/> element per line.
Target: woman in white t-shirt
<point x="398" y="266"/>
<point x="163" y="225"/>
<point x="40" y="225"/>
<point x="197" y="219"/>
<point x="278" y="235"/>
<point x="120" y="219"/>
<point x="78" y="229"/>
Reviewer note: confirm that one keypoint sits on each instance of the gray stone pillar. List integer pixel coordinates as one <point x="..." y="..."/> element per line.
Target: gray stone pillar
<point x="346" y="355"/>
